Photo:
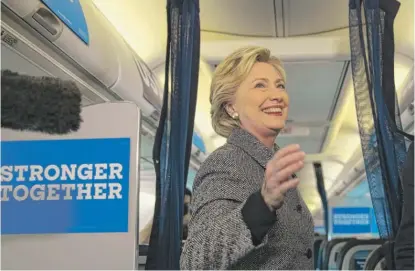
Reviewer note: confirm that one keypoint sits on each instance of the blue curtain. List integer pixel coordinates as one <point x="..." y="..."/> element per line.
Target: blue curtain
<point x="383" y="142"/>
<point x="172" y="147"/>
<point x="318" y="169"/>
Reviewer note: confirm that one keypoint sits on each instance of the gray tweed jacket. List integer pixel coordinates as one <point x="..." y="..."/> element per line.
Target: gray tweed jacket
<point x="218" y="236"/>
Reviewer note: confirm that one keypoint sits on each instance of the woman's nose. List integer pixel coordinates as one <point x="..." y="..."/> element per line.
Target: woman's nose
<point x="277" y="95"/>
<point x="277" y="98"/>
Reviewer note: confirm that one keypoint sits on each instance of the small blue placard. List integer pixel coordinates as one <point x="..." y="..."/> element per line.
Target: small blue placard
<point x="71" y="14"/>
<point x="360" y="259"/>
<point x="198" y="142"/>
<point x="65" y="186"/>
<point x="351" y="220"/>
<point x="359" y="264"/>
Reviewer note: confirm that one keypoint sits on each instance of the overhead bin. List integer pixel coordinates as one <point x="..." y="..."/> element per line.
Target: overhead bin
<point x="97" y="56"/>
<point x="24" y="51"/>
<point x="152" y="92"/>
<point x="78" y="30"/>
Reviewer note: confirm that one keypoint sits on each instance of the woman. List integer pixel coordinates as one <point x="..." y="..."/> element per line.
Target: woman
<point x="186" y="213"/>
<point x="246" y="210"/>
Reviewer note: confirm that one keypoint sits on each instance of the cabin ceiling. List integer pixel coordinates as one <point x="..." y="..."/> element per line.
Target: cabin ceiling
<point x="315" y="87"/>
<point x="290" y="18"/>
<point x="273" y="18"/>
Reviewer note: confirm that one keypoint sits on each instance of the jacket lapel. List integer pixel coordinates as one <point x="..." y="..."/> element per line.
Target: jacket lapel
<point x="252" y="146"/>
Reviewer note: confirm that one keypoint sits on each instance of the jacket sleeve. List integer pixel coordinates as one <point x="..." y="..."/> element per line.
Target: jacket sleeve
<point x="219" y="235"/>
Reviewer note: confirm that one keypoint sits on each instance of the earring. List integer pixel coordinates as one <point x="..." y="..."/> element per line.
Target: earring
<point x="235" y="116"/>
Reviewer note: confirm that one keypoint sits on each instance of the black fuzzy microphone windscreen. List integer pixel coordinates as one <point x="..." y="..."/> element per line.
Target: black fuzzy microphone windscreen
<point x="40" y="104"/>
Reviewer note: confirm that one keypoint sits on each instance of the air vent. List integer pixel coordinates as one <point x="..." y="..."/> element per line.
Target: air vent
<point x="8" y="38"/>
<point x="155" y="116"/>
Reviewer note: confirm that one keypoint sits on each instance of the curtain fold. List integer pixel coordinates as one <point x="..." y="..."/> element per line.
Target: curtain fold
<point x="382" y="139"/>
<point x="321" y="188"/>
<point x="172" y="147"/>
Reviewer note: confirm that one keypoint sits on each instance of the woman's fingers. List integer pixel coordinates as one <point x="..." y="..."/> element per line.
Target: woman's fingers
<point x="279" y="169"/>
<point x="291" y="158"/>
<point x="285" y="186"/>
<point x="286" y="150"/>
<point x="285" y="173"/>
<point x="274" y="198"/>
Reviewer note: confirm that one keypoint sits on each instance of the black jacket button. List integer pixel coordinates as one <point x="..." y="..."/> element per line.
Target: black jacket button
<point x="309" y="253"/>
<point x="299" y="208"/>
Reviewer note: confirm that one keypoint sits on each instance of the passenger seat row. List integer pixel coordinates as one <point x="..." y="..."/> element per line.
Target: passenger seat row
<point x="350" y="254"/>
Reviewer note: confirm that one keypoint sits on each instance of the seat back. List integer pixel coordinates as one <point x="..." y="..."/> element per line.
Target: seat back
<point x="142" y="257"/>
<point x="321" y="255"/>
<point x="381" y="265"/>
<point x="354" y="253"/>
<point x="318" y="240"/>
<point x="377" y="257"/>
<point x="332" y="252"/>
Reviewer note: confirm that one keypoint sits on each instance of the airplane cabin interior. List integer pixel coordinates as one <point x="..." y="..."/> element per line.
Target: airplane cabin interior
<point x="122" y="58"/>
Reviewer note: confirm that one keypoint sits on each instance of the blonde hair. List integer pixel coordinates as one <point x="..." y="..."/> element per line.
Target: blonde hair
<point x="227" y="77"/>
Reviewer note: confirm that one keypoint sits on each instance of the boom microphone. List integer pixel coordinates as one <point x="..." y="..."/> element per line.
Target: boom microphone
<point x="40" y="104"/>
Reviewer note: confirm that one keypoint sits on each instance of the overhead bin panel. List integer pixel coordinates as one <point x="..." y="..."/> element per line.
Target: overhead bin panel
<point x="94" y="46"/>
<point x="152" y="91"/>
<point x="25" y="51"/>
<point x="131" y="83"/>
<point x="98" y="57"/>
<point x="135" y="81"/>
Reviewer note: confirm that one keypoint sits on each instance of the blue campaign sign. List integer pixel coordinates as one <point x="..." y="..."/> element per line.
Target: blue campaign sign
<point x="351" y="220"/>
<point x="71" y="14"/>
<point x="65" y="186"/>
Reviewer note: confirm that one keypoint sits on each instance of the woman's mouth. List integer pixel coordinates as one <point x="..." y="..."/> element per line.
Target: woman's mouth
<point x="273" y="111"/>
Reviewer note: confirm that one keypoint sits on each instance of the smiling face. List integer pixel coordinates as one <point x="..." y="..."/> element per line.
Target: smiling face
<point x="261" y="103"/>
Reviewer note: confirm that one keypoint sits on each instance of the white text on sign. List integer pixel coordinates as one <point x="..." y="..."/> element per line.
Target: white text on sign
<point x="351" y="219"/>
<point x="93" y="181"/>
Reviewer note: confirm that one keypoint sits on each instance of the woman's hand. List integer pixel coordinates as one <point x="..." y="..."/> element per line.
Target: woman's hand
<point x="278" y="174"/>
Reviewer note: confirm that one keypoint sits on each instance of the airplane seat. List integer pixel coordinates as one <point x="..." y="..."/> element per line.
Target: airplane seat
<point x="320" y="259"/>
<point x="376" y="259"/>
<point x="142" y="256"/>
<point x="332" y="251"/>
<point x="354" y="253"/>
<point x="382" y="265"/>
<point x="318" y="240"/>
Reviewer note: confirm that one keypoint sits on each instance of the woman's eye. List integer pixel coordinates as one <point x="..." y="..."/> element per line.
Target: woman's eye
<point x="260" y="85"/>
<point x="282" y="86"/>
